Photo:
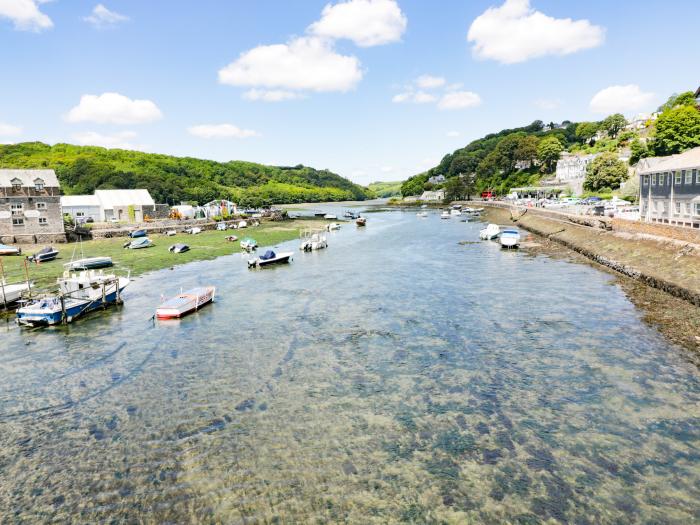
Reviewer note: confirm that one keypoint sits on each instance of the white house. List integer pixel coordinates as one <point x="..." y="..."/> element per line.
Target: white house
<point x="433" y="196"/>
<point x="219" y="208"/>
<point x="82" y="207"/>
<point x="105" y="205"/>
<point x="436" y="179"/>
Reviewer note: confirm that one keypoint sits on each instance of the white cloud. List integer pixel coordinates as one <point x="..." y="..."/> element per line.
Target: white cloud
<point x="365" y="22"/>
<point x="453" y="134"/>
<point x="429" y="82"/>
<point x="25" y="15"/>
<point x="547" y="103"/>
<point x="121" y="140"/>
<point x="113" y="108"/>
<point x="305" y="63"/>
<point x="620" y="99"/>
<point x="271" y="95"/>
<point x="8" y="130"/>
<point x="459" y="100"/>
<point x="414" y="97"/>
<point x="103" y="17"/>
<point x="515" y="32"/>
<point x="221" y="131"/>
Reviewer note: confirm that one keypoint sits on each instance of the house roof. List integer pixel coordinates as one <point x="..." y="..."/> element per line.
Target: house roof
<point x="687" y="159"/>
<point x="111" y="198"/>
<point x="28" y="177"/>
<point x="79" y="200"/>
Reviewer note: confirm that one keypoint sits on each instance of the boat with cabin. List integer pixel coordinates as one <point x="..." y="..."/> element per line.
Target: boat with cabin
<point x="491" y="232"/>
<point x="333" y="226"/>
<point x="44" y="255"/>
<point x="312" y="240"/>
<point x="269" y="258"/>
<point x="185" y="302"/>
<point x="510" y="238"/>
<point x="455" y="212"/>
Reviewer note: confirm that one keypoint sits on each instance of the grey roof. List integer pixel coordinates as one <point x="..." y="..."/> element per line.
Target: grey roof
<point x="680" y="161"/>
<point x="28" y="177"/>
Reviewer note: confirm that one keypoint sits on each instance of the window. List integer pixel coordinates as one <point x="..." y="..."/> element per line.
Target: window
<point x="40" y="205"/>
<point x="678" y="208"/>
<point x="689" y="176"/>
<point x="17" y="208"/>
<point x="18" y="221"/>
<point x="80" y="214"/>
<point x="646" y="180"/>
<point x="697" y="208"/>
<point x="43" y="220"/>
<point x="16" y="184"/>
<point x="678" y="178"/>
<point x="39" y="184"/>
<point x="653" y="178"/>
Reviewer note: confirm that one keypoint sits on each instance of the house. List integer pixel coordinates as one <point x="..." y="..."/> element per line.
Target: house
<point x="106" y="205"/>
<point x="436" y="179"/>
<point x="219" y="208"/>
<point x="30" y="207"/>
<point x="572" y="169"/>
<point x="82" y="208"/>
<point x="433" y="196"/>
<point x="670" y="189"/>
<point x="641" y="121"/>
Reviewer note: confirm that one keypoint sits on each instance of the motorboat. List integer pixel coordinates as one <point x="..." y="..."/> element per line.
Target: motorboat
<point x="423" y="206"/>
<point x="77" y="294"/>
<point x="422" y="214"/>
<point x="269" y="258"/>
<point x="455" y="212"/>
<point x="9" y="250"/>
<point x="221" y="226"/>
<point x="313" y="240"/>
<point x="179" y="248"/>
<point x="361" y="221"/>
<point x="89" y="263"/>
<point x="510" y="238"/>
<point x="185" y="303"/>
<point x="194" y="230"/>
<point x="45" y="254"/>
<point x="330" y="217"/>
<point x="445" y="215"/>
<point x="490" y="232"/>
<point x="249" y="244"/>
<point x="333" y="226"/>
<point x="137" y="244"/>
<point x="171" y="233"/>
<point x="11" y="293"/>
<point x="350" y="215"/>
<point x="137" y="233"/>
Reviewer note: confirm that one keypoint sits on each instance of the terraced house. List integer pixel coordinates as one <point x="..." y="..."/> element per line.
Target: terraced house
<point x="30" y="207"/>
<point x="670" y="189"/>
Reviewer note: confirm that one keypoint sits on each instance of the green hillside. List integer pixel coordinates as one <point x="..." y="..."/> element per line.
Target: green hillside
<point x="386" y="189"/>
<point x="82" y="169"/>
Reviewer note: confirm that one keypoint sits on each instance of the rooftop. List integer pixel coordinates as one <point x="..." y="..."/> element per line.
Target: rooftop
<point x="111" y="198"/>
<point x="687" y="159"/>
<point x="28" y="177"/>
<point x="79" y="200"/>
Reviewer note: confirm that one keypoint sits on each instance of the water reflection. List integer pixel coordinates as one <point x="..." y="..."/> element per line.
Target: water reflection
<point x="396" y="376"/>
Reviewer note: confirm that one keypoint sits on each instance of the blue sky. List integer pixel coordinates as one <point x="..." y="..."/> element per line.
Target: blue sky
<point x="371" y="89"/>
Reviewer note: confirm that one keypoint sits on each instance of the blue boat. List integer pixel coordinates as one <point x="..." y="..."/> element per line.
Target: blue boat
<point x="78" y="294"/>
<point x="137" y="233"/>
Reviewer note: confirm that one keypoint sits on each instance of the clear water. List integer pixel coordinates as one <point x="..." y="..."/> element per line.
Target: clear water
<point x="397" y="376"/>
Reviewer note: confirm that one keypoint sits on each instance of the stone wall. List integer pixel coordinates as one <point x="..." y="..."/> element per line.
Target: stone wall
<point x="661" y="230"/>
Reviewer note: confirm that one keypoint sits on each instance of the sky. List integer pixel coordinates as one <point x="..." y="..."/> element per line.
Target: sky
<point x="370" y="89"/>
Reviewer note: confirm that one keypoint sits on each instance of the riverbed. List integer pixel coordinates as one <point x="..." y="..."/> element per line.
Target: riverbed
<point x="398" y="376"/>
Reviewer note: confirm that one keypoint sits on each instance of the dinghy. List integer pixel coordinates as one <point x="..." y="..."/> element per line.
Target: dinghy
<point x="269" y="258"/>
<point x="455" y="212"/>
<point x="179" y="248"/>
<point x="249" y="244"/>
<point x="330" y="217"/>
<point x="333" y="226"/>
<point x="171" y="233"/>
<point x="46" y="254"/>
<point x="137" y="244"/>
<point x="510" y="238"/>
<point x="11" y="293"/>
<point x="137" y="233"/>
<point x="186" y="303"/>
<point x="193" y="231"/>
<point x="89" y="263"/>
<point x="9" y="250"/>
<point x="361" y="221"/>
<point x="490" y="232"/>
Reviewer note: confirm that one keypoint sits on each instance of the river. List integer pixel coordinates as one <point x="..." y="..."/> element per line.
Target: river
<point x="397" y="376"/>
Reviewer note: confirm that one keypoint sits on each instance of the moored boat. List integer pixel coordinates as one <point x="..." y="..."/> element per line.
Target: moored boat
<point x="510" y="238"/>
<point x="490" y="232"/>
<point x="333" y="226"/>
<point x="137" y="233"/>
<point x="137" y="244"/>
<point x="330" y="217"/>
<point x="269" y="258"/>
<point x="249" y="244"/>
<point x="445" y="215"/>
<point x="455" y="212"/>
<point x="89" y="263"/>
<point x="361" y="221"/>
<point x="186" y="302"/>
<point x="11" y="293"/>
<point x="179" y="248"/>
<point x="313" y="240"/>
<point x="9" y="250"/>
<point x="422" y="214"/>
<point x="44" y="255"/>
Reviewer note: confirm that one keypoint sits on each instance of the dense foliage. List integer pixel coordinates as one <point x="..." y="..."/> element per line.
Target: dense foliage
<point x="83" y="169"/>
<point x="605" y="172"/>
<point x="385" y="189"/>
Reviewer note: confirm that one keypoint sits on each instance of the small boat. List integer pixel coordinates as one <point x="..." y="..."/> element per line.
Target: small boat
<point x="194" y="230"/>
<point x="269" y="258"/>
<point x="320" y="214"/>
<point x="242" y="224"/>
<point x="361" y="221"/>
<point x="44" y="255"/>
<point x="231" y="238"/>
<point x="179" y="248"/>
<point x="423" y="206"/>
<point x="510" y="238"/>
<point x="350" y="215"/>
<point x="313" y="240"/>
<point x="330" y="217"/>
<point x="137" y="233"/>
<point x="249" y="244"/>
<point x="78" y="293"/>
<point x="89" y="263"/>
<point x="11" y="293"/>
<point x="333" y="226"/>
<point x="137" y="244"/>
<point x="445" y="215"/>
<point x="221" y="226"/>
<point x="185" y="303"/>
<point x="171" y="233"/>
<point x="9" y="250"/>
<point x="490" y="232"/>
<point x="422" y="214"/>
<point x="455" y="212"/>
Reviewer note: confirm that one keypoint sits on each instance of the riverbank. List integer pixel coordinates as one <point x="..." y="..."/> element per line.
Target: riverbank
<point x="205" y="245"/>
<point x="661" y="278"/>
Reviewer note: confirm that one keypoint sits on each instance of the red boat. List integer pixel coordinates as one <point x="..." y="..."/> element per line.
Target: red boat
<point x="185" y="303"/>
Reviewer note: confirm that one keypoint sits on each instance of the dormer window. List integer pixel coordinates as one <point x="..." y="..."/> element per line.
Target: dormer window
<point x="16" y="184"/>
<point x="39" y="184"/>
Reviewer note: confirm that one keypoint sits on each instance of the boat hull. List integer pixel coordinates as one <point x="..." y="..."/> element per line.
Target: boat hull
<point x="180" y="307"/>
<point x="90" y="264"/>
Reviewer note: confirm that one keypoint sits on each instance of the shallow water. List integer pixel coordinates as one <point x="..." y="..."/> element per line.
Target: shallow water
<point x="397" y="376"/>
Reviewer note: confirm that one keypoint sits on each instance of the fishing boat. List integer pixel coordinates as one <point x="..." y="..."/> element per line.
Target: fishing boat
<point x="510" y="238"/>
<point x="422" y="214"/>
<point x="44" y="255"/>
<point x="137" y="233"/>
<point x="77" y="294"/>
<point x="186" y="302"/>
<point x="361" y="221"/>
<point x="11" y="293"/>
<point x="89" y="263"/>
<point x="137" y="244"/>
<point x="313" y="240"/>
<point x="490" y="232"/>
<point x="269" y="258"/>
<point x="9" y="250"/>
<point x="445" y="215"/>
<point x="333" y="226"/>
<point x="179" y="248"/>
<point x="249" y="244"/>
<point x="330" y="217"/>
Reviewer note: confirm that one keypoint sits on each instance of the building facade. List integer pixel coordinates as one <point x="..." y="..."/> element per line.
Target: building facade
<point x="107" y="205"/>
<point x="30" y="207"/>
<point x="433" y="196"/>
<point x="670" y="189"/>
<point x="571" y="170"/>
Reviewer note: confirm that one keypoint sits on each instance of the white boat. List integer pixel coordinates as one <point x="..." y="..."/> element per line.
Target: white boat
<point x="333" y="226"/>
<point x="423" y="206"/>
<point x="137" y="244"/>
<point x="171" y="233"/>
<point x="78" y="293"/>
<point x="179" y="248"/>
<point x="445" y="215"/>
<point x="186" y="302"/>
<point x="330" y="217"/>
<point x="221" y="226"/>
<point x="313" y="240"/>
<point x="89" y="263"/>
<point x="269" y="258"/>
<point x="510" y="238"/>
<point x="9" y="250"/>
<point x="194" y="230"/>
<point x="249" y="244"/>
<point x="361" y="221"/>
<point x="490" y="232"/>
<point x="11" y="293"/>
<point x="44" y="255"/>
<point x="422" y="214"/>
<point x="455" y="212"/>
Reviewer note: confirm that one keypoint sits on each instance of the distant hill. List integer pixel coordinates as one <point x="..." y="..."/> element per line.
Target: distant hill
<point x="386" y="189"/>
<point x="82" y="169"/>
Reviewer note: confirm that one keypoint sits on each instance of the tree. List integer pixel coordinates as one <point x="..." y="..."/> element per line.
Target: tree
<point x="585" y="131"/>
<point x="456" y="188"/>
<point x="548" y="152"/>
<point x="677" y="130"/>
<point x="613" y="124"/>
<point x="638" y="151"/>
<point x="527" y="149"/>
<point x="605" y="171"/>
<point x="687" y="98"/>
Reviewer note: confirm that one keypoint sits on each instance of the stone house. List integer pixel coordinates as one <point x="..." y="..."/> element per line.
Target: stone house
<point x="30" y="207"/>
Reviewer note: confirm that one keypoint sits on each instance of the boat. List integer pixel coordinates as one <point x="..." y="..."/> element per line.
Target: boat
<point x="45" y="254"/>
<point x="269" y="258"/>
<point x="171" y="233"/>
<point x="185" y="303"/>
<point x="221" y="226"/>
<point x="242" y="224"/>
<point x="445" y="215"/>
<point x="423" y="206"/>
<point x="137" y="244"/>
<point x="361" y="221"/>
<point x="9" y="250"/>
<point x="137" y="233"/>
<point x="350" y="215"/>
<point x="89" y="263"/>
<point x="231" y="238"/>
<point x="11" y="293"/>
<point x="510" y="238"/>
<point x="179" y="248"/>
<point x="249" y="244"/>
<point x="333" y="226"/>
<point x="194" y="230"/>
<point x="455" y="212"/>
<point x="490" y="232"/>
<point x="422" y="214"/>
<point x="330" y="217"/>
<point x="77" y="294"/>
<point x="313" y="240"/>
